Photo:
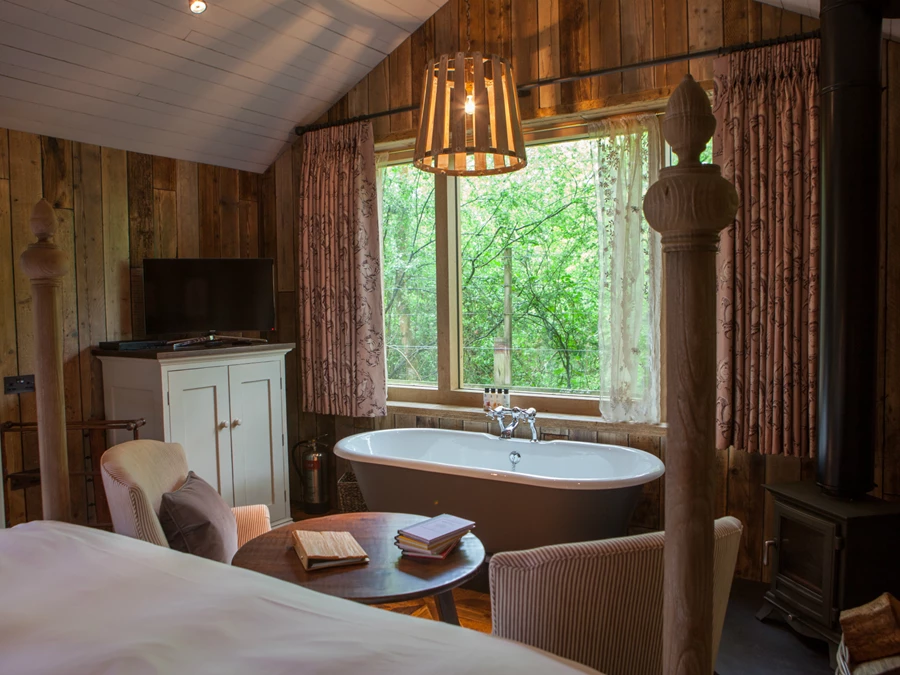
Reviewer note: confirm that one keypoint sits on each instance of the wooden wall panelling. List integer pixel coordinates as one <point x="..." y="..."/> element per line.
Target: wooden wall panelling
<point x="454" y="425"/>
<point x="421" y="52"/>
<point x="548" y="51"/>
<point x="705" y="30"/>
<point x="57" y="171"/>
<point x="575" y="49"/>
<point x="400" y="82"/>
<point x="446" y="39"/>
<point x="57" y="177"/>
<point x="379" y="97"/>
<point x="659" y="41"/>
<point x="4" y="154"/>
<point x="90" y="284"/>
<point x="746" y="502"/>
<point x="405" y="421"/>
<point x="891" y="459"/>
<point x="754" y="20"/>
<point x="165" y="222"/>
<point x="284" y="222"/>
<point x="358" y="97"/>
<point x="187" y="208"/>
<point x="229" y="226"/>
<point x="498" y="27"/>
<point x="210" y="242"/>
<point x="525" y="53"/>
<point x="267" y="215"/>
<point x="637" y="43"/>
<point x="734" y="22"/>
<point x="248" y="222"/>
<point x="606" y="46"/>
<point x="476" y="24"/>
<point x="677" y="39"/>
<point x="142" y="233"/>
<point x="65" y="239"/>
<point x="26" y="188"/>
<point x="117" y="276"/>
<point x="9" y="405"/>
<point x="164" y="173"/>
<point x="647" y="512"/>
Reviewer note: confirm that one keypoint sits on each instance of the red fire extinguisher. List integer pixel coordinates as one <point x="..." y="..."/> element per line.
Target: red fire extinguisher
<point x="314" y="475"/>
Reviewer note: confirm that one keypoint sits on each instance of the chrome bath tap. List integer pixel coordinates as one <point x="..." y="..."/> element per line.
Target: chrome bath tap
<point x="500" y="413"/>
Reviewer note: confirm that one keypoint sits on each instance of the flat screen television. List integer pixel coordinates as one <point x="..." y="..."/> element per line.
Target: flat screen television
<point x="205" y="295"/>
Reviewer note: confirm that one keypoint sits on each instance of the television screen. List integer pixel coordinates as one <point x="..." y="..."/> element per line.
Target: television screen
<point x="199" y="295"/>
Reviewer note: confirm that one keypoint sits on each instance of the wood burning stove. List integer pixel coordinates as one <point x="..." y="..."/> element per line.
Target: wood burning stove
<point x="828" y="555"/>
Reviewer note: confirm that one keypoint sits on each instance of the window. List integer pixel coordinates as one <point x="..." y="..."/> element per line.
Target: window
<point x="546" y="280"/>
<point x="410" y="293"/>
<point x="529" y="273"/>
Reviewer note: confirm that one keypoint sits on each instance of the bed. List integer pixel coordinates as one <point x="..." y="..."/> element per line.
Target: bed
<point x="82" y="601"/>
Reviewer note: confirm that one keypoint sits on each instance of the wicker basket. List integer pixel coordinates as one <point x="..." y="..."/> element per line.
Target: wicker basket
<point x="350" y="498"/>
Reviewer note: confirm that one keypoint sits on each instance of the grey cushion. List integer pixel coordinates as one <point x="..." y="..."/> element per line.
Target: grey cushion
<point x="195" y="519"/>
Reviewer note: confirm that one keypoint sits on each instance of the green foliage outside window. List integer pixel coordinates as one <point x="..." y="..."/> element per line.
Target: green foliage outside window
<point x="410" y="290"/>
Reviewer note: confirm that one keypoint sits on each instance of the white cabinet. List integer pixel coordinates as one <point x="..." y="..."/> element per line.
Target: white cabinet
<point x="226" y="406"/>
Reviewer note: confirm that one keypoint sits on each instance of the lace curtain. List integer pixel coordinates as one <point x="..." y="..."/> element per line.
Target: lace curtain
<point x="628" y="159"/>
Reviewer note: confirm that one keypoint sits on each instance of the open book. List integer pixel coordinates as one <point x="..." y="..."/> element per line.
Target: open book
<point x="319" y="550"/>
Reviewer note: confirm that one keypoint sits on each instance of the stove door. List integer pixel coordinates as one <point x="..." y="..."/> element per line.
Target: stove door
<point x="804" y="563"/>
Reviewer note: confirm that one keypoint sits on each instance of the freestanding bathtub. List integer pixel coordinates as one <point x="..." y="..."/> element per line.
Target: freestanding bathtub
<point x="559" y="491"/>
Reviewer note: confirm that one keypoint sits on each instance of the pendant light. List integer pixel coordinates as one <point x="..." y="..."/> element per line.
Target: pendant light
<point x="469" y="121"/>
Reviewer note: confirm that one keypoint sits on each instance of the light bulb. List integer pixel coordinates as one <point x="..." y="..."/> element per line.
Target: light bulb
<point x="198" y="6"/>
<point x="470" y="105"/>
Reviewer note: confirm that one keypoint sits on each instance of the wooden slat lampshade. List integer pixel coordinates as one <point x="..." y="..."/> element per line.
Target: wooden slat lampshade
<point x="470" y="122"/>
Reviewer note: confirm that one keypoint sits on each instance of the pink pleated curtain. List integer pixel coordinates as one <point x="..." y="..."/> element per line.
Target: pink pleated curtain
<point x="341" y="329"/>
<point x="767" y="143"/>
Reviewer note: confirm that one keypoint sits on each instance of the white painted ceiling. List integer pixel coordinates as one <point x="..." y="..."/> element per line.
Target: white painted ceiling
<point x="225" y="87"/>
<point x="811" y="8"/>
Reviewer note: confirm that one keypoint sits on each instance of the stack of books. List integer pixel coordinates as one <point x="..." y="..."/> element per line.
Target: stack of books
<point x="433" y="539"/>
<point x="321" y="550"/>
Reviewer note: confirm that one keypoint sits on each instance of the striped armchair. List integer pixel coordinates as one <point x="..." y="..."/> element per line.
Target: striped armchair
<point x="599" y="603"/>
<point x="136" y="474"/>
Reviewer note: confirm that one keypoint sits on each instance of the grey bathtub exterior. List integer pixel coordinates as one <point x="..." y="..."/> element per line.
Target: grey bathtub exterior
<point x="509" y="516"/>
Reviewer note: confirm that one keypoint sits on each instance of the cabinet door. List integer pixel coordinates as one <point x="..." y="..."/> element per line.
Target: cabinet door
<point x="199" y="420"/>
<point x="257" y="438"/>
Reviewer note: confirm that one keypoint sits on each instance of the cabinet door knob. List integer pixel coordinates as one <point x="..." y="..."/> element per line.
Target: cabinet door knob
<point x="223" y="425"/>
<point x="236" y="422"/>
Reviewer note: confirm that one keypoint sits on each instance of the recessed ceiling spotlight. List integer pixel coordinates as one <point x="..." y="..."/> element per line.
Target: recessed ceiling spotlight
<point x="198" y="6"/>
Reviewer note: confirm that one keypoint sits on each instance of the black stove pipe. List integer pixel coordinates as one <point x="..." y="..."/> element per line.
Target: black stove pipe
<point x="850" y="116"/>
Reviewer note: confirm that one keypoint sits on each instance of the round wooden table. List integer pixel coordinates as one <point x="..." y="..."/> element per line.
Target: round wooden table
<point x="387" y="577"/>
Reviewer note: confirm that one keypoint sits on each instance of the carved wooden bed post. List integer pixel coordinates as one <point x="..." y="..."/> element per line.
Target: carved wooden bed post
<point x="45" y="264"/>
<point x="689" y="205"/>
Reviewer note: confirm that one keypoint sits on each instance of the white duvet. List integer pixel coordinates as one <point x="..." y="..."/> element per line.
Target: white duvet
<point x="78" y="601"/>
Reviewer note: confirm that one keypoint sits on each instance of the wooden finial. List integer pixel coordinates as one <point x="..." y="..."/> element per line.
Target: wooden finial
<point x="689" y="122"/>
<point x="43" y="221"/>
<point x="43" y="261"/>
<point x="690" y="197"/>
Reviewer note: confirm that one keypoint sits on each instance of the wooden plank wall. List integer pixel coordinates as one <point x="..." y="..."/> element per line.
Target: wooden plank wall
<point x="115" y="208"/>
<point x="550" y="38"/>
<point x="547" y="38"/>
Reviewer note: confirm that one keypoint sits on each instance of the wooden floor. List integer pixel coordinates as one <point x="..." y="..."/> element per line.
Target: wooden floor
<point x="473" y="608"/>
